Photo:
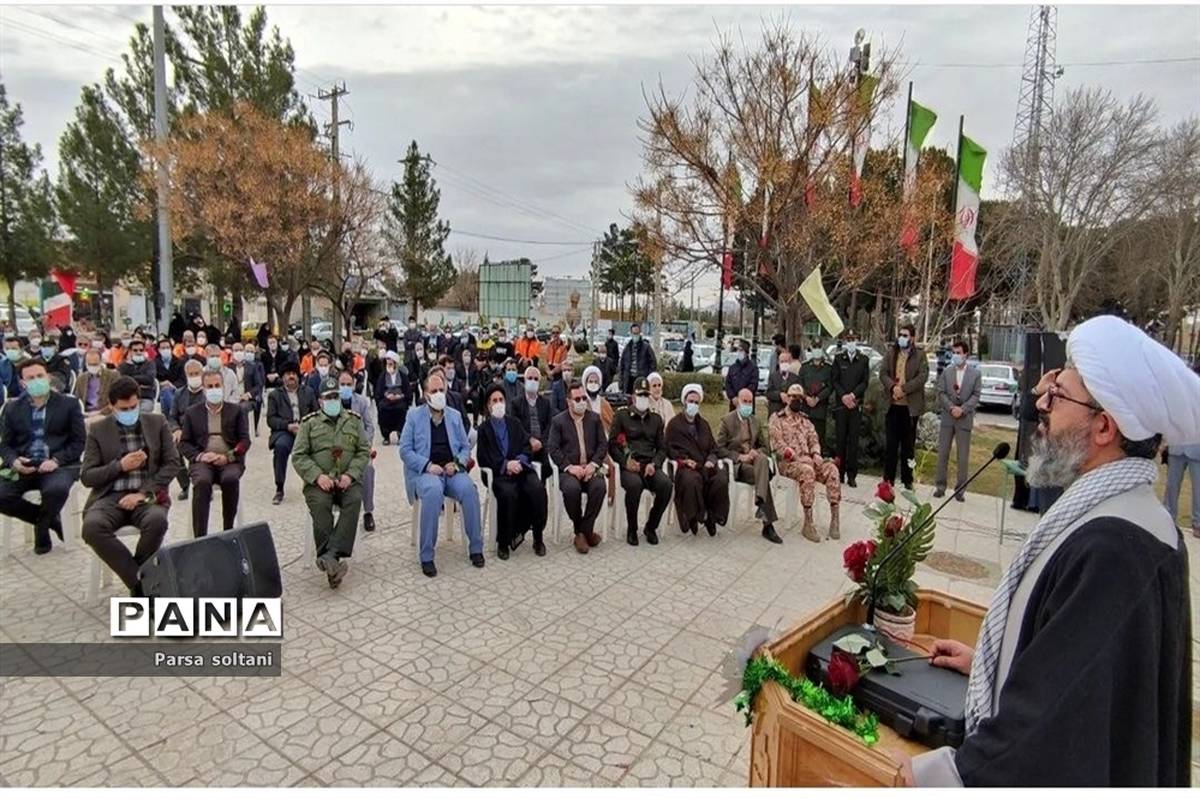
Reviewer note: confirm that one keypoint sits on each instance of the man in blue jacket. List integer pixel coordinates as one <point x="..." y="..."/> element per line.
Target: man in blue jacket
<point x="435" y="451"/>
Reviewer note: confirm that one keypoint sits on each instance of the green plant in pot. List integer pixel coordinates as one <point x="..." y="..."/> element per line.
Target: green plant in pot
<point x="890" y="584"/>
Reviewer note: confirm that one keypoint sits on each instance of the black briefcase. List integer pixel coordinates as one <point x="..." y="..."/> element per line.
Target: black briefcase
<point x="922" y="702"/>
<point x="236" y="563"/>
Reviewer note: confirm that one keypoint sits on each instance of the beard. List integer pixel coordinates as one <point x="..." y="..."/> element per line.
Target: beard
<point x="1057" y="457"/>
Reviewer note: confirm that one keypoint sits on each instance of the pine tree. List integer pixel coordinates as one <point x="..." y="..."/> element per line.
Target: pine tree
<point x="416" y="236"/>
<point x="27" y="225"/>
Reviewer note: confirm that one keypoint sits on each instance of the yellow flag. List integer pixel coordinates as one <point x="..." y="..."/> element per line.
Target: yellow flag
<point x="813" y="293"/>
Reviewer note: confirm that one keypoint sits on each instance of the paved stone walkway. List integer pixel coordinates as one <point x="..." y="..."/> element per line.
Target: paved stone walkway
<point x="604" y="669"/>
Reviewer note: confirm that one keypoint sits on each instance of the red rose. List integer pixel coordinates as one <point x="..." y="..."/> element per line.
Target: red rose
<point x="894" y="525"/>
<point x="843" y="673"/>
<point x="162" y="497"/>
<point x="470" y="464"/>
<point x="788" y="455"/>
<point x="337" y="453"/>
<point x="855" y="558"/>
<point x="621" y="439"/>
<point x="885" y="492"/>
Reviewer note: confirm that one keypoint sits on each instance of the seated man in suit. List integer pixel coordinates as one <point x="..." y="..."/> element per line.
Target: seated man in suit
<point x="128" y="462"/>
<point x="141" y="368"/>
<point x="286" y="406"/>
<point x="353" y="401"/>
<point x="251" y="380"/>
<point x="533" y="411"/>
<point x="41" y="438"/>
<point x="579" y="448"/>
<point x="504" y="447"/>
<point x="215" y="439"/>
<point x="93" y="384"/>
<point x="434" y="448"/>
<point x="743" y="440"/>
<point x="191" y="394"/>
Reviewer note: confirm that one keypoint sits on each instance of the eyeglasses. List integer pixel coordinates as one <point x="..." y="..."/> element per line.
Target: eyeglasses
<point x="1056" y="393"/>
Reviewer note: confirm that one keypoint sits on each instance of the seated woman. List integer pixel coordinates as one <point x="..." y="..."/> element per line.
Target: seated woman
<point x="520" y="493"/>
<point x="701" y="488"/>
<point x="593" y="383"/>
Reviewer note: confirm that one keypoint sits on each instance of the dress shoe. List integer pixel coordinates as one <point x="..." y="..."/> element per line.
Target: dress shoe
<point x="711" y="527"/>
<point x="939" y="493"/>
<point x="275" y="500"/>
<point x="184" y="495"/>
<point x="477" y="560"/>
<point x="909" y="485"/>
<point x="631" y="538"/>
<point x="428" y="569"/>
<point x="695" y="527"/>
<point x="851" y="482"/>
<point x="961" y="497"/>
<point x="835" y="530"/>
<point x="502" y="553"/>
<point x="516" y="542"/>
<point x="593" y="539"/>
<point x="336" y="572"/>
<point x="581" y="544"/>
<point x="651" y="537"/>
<point x="41" y="549"/>
<point x="770" y="534"/>
<point x="539" y="549"/>
<point x="368" y="521"/>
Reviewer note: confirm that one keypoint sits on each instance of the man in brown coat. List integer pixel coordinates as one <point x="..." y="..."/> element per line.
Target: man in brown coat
<point x="742" y="440"/>
<point x="93" y="384"/>
<point x="215" y="438"/>
<point x="701" y="489"/>
<point x="903" y="374"/>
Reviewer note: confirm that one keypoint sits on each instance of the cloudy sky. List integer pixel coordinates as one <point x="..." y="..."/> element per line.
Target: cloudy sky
<point x="531" y="112"/>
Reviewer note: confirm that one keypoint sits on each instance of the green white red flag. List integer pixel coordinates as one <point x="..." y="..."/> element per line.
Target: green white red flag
<point x="56" y="299"/>
<point x="920" y="122"/>
<point x="965" y="259"/>
<point x="862" y="139"/>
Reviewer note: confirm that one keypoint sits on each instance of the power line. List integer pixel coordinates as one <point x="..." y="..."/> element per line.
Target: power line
<point x="105" y="40"/>
<point x="454" y="182"/>
<point x="515" y="200"/>
<point x="454" y="231"/>
<point x="556" y="256"/>
<point x="41" y="33"/>
<point x="1120" y="63"/>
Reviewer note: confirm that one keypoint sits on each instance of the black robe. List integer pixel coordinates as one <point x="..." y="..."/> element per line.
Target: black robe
<point x="1100" y="688"/>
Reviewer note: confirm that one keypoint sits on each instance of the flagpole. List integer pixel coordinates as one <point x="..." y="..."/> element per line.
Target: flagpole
<point x="907" y="133"/>
<point x="957" y="171"/>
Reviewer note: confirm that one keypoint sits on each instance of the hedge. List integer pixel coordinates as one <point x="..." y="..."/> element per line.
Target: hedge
<point x="713" y="385"/>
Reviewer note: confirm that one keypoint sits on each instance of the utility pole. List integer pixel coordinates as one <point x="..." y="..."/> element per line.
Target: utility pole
<point x="331" y="130"/>
<point x="660" y="252"/>
<point x="164" y="300"/>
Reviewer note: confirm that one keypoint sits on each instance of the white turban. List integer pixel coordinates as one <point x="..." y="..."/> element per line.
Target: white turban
<point x="1144" y="386"/>
<point x="650" y="377"/>
<point x="593" y="370"/>
<point x="391" y="355"/>
<point x="688" y="389"/>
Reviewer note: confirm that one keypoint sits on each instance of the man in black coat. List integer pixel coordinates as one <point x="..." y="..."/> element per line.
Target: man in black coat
<point x="743" y="373"/>
<point x="42" y="436"/>
<point x="59" y="366"/>
<point x="638" y="449"/>
<point x="504" y="447"/>
<point x="216" y="436"/>
<point x="286" y="406"/>
<point x="168" y="371"/>
<point x="611" y="350"/>
<point x="637" y="360"/>
<point x="386" y="336"/>
<point x="851" y="371"/>
<point x="532" y="409"/>
<point x="778" y="382"/>
<point x="579" y="470"/>
<point x="142" y="369"/>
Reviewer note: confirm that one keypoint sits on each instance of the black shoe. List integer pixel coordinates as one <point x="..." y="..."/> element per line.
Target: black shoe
<point x="939" y="493"/>
<point x="502" y="553"/>
<point x="961" y="497"/>
<point x="275" y="500"/>
<point x="428" y="569"/>
<point x="908" y="485"/>
<point x="477" y="560"/>
<point x="335" y="572"/>
<point x="842" y="478"/>
<point x="850" y="482"/>
<point x="539" y="549"/>
<point x="711" y="528"/>
<point x="368" y="522"/>
<point x="57" y="526"/>
<point x="516" y="542"/>
<point x="41" y="549"/>
<point x="770" y="534"/>
<point x="631" y="538"/>
<point x="695" y="527"/>
<point x="651" y="537"/>
<point x="184" y="495"/>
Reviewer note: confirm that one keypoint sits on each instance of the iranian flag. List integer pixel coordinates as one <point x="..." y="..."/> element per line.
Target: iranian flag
<point x="56" y="299"/>
<point x="920" y="122"/>
<point x="862" y="141"/>
<point x="966" y="216"/>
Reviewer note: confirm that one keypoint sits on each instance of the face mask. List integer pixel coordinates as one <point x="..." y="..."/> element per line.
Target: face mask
<point x="331" y="407"/>
<point x="958" y="360"/>
<point x="138" y="357"/>
<point x="283" y="347"/>
<point x="94" y="369"/>
<point x="636" y="337"/>
<point x="498" y="410"/>
<point x="34" y="343"/>
<point x="785" y="367"/>
<point x="902" y="341"/>
<point x="13" y="355"/>
<point x="189" y="350"/>
<point x="746" y="411"/>
<point x="566" y="375"/>
<point x="739" y="356"/>
<point x="691" y="409"/>
<point x="239" y="356"/>
<point x="580" y="406"/>
<point x="38" y="387"/>
<point x="214" y="396"/>
<point x="463" y="339"/>
<point x="511" y="377"/>
<point x="201" y="342"/>
<point x="642" y="404"/>
<point x="48" y="352"/>
<point x="97" y="345"/>
<point x="815" y="355"/>
<point x="437" y="400"/>
<point x="412" y="325"/>
<point x="851" y="348"/>
<point x="323" y="371"/>
<point x="128" y="417"/>
<point x="450" y="374"/>
<point x="593" y="388"/>
<point x="193" y="382"/>
<point x="532" y="386"/>
<point x="214" y="362"/>
<point x="165" y="354"/>
<point x="795" y="405"/>
<point x="345" y="392"/>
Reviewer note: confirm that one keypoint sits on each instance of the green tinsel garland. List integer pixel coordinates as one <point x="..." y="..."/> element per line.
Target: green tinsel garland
<point x="841" y="712"/>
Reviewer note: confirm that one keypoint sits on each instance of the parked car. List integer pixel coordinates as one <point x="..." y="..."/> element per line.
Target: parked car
<point x="1000" y="386"/>
<point x="26" y="323"/>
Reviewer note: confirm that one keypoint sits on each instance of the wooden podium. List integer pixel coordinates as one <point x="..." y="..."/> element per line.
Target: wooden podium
<point x="794" y="747"/>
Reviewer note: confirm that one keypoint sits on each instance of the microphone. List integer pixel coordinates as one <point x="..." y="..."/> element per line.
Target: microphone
<point x="999" y="453"/>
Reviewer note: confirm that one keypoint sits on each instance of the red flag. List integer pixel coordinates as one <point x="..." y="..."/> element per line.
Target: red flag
<point x="908" y="238"/>
<point x="727" y="271"/>
<point x="962" y="273"/>
<point x="66" y="280"/>
<point x="764" y="264"/>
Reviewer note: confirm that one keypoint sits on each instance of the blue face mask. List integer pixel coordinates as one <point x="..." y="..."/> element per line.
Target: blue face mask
<point x="12" y="355"/>
<point x="127" y="417"/>
<point x="345" y="392"/>
<point x="958" y="360"/>
<point x="331" y="407"/>
<point x="902" y="341"/>
<point x="38" y="387"/>
<point x="214" y="396"/>
<point x="691" y="409"/>
<point x="48" y="352"/>
<point x="746" y="411"/>
<point x="214" y="362"/>
<point x="510" y="377"/>
<point x="851" y="348"/>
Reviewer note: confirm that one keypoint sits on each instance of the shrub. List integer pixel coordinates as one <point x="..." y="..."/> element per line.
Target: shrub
<point x="713" y="385"/>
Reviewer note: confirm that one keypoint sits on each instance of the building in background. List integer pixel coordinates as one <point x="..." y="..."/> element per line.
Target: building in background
<point x="505" y="288"/>
<point x="555" y="305"/>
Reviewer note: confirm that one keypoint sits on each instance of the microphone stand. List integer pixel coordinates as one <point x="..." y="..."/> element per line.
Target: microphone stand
<point x="1001" y="451"/>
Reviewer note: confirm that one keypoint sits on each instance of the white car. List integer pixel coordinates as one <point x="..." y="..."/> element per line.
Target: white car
<point x="1000" y="386"/>
<point x="25" y="322"/>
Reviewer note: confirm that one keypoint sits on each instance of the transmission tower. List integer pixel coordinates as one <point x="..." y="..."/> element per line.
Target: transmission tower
<point x="1035" y="104"/>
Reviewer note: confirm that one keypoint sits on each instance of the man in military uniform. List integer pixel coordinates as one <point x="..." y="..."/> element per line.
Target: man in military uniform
<point x="330" y="455"/>
<point x="817" y="379"/>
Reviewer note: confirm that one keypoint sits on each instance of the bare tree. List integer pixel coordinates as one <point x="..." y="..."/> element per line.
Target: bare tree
<point x="464" y="294"/>
<point x="1092" y="170"/>
<point x="1176" y="222"/>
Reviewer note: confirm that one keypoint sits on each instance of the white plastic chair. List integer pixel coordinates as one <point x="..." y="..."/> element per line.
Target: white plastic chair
<point x="742" y="494"/>
<point x="70" y="519"/>
<point x="99" y="575"/>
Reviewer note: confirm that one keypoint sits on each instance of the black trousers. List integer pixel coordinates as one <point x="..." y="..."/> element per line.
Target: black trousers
<point x="204" y="475"/>
<point x="573" y="491"/>
<point x="520" y="505"/>
<point x="55" y="487"/>
<point x="900" y="440"/>
<point x="101" y="522"/>
<point x="847" y="428"/>
<point x="634" y="484"/>
<point x="280" y="453"/>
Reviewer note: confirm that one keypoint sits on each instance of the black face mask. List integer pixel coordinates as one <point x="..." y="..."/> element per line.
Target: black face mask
<point x="796" y="405"/>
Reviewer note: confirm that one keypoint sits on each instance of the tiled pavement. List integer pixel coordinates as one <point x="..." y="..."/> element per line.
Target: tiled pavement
<point x="603" y="669"/>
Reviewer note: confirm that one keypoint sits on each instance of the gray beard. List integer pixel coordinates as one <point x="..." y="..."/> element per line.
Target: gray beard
<point x="1057" y="460"/>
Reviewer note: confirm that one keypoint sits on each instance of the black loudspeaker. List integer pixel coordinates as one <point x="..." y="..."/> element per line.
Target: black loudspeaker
<point x="1043" y="351"/>
<point x="235" y="563"/>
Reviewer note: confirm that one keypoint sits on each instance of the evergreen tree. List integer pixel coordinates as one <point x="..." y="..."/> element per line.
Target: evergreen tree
<point x="415" y="234"/>
<point x="26" y="207"/>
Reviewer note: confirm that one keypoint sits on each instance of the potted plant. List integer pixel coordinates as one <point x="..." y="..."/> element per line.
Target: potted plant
<point x="890" y="585"/>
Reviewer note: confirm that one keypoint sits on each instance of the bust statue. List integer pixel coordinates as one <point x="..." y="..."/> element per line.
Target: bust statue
<point x="573" y="314"/>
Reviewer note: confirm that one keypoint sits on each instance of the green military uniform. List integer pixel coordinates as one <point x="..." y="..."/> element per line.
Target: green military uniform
<point x="817" y="380"/>
<point x="332" y="446"/>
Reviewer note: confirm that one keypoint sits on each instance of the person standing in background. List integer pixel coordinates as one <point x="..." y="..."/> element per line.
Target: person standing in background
<point x="816" y="377"/>
<point x="903" y="373"/>
<point x="851" y="372"/>
<point x="958" y="390"/>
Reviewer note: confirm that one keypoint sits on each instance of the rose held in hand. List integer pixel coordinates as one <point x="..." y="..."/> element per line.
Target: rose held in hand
<point x="885" y="492"/>
<point x="843" y="673"/>
<point x="855" y="559"/>
<point x="894" y="525"/>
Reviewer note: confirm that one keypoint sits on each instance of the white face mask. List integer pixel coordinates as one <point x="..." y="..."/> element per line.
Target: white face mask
<point x="580" y="406"/>
<point x="531" y="386"/>
<point x="323" y="370"/>
<point x="498" y="410"/>
<point x="785" y="367"/>
<point x="692" y="408"/>
<point x="642" y="404"/>
<point x="93" y="368"/>
<point x="194" y="382"/>
<point x="437" y="400"/>
<point x="239" y="356"/>
<point x="593" y="388"/>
